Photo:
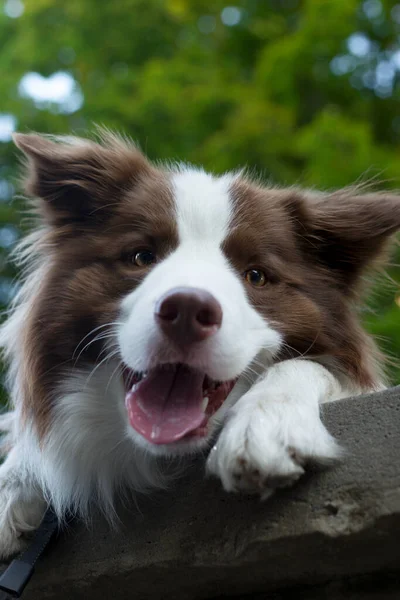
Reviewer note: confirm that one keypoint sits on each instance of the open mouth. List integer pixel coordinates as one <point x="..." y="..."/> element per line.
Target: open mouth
<point x="172" y="402"/>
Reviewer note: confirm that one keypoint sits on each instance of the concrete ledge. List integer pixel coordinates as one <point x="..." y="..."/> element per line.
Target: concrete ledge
<point x="197" y="542"/>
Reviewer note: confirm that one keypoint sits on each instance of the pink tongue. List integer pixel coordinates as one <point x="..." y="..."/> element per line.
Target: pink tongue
<point x="166" y="405"/>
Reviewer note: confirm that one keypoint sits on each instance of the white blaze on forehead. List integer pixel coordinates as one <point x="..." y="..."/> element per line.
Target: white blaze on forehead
<point x="203" y="206"/>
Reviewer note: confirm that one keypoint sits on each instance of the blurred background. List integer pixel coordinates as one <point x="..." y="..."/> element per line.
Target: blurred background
<point x="303" y="91"/>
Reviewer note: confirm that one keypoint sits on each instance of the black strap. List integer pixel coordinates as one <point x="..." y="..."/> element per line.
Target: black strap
<point x="16" y="576"/>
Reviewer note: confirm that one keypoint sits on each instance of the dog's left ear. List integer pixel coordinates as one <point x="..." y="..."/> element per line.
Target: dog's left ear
<point x="347" y="232"/>
<point x="75" y="179"/>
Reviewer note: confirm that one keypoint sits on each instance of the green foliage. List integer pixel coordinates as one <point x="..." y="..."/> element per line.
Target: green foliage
<point x="303" y="91"/>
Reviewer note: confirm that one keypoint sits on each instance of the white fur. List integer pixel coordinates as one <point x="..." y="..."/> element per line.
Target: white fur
<point x="91" y="454"/>
<point x="203" y="207"/>
<point x="275" y="429"/>
<point x="21" y="502"/>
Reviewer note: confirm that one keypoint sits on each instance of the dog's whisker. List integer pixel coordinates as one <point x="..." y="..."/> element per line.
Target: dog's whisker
<point x="109" y="325"/>
<point x="96" y="339"/>
<point x="105" y="359"/>
<point x="108" y="348"/>
<point x="117" y="369"/>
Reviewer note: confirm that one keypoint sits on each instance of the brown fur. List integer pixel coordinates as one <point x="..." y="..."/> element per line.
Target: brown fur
<point x="314" y="249"/>
<point x="101" y="202"/>
<point x="128" y="207"/>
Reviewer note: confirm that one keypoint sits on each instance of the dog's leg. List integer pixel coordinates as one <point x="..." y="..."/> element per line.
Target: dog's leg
<point x="275" y="429"/>
<point x="21" y="504"/>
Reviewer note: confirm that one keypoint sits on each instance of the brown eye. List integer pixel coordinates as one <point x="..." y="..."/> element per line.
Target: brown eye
<point x="143" y="258"/>
<point x="255" y="277"/>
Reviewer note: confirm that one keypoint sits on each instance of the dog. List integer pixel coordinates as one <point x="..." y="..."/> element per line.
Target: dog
<point x="163" y="312"/>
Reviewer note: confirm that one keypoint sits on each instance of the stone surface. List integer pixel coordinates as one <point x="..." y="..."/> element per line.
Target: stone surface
<point x="335" y="535"/>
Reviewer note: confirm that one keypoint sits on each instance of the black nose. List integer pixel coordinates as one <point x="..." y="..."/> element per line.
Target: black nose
<point x="188" y="315"/>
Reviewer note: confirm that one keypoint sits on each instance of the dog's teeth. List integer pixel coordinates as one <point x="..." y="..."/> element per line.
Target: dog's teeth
<point x="204" y="404"/>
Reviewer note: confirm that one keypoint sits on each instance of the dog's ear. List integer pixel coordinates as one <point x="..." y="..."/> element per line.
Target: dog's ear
<point x="348" y="231"/>
<point x="77" y="179"/>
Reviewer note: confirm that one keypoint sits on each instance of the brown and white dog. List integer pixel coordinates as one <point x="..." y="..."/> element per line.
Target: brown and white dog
<point x="163" y="305"/>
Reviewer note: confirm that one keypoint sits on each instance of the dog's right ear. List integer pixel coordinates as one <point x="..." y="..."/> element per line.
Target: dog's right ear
<point x="76" y="179"/>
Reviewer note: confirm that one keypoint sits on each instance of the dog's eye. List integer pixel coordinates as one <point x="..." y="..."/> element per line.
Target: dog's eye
<point x="143" y="258"/>
<point x="255" y="277"/>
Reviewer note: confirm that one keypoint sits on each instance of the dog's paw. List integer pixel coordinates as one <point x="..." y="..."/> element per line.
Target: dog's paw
<point x="19" y="518"/>
<point x="11" y="542"/>
<point x="267" y="444"/>
<point x="17" y="527"/>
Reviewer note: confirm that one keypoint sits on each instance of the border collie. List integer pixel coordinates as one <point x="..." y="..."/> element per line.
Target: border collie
<point x="165" y="311"/>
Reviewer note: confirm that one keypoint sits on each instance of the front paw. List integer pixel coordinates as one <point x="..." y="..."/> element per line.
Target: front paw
<point x="19" y="518"/>
<point x="11" y="542"/>
<point x="266" y="445"/>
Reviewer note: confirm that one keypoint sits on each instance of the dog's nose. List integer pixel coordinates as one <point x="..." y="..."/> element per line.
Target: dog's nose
<point x="188" y="315"/>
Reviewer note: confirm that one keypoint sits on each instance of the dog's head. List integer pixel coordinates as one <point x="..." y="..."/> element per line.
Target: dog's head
<point x="189" y="282"/>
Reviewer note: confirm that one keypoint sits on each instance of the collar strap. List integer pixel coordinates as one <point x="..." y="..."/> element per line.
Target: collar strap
<point x="16" y="576"/>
